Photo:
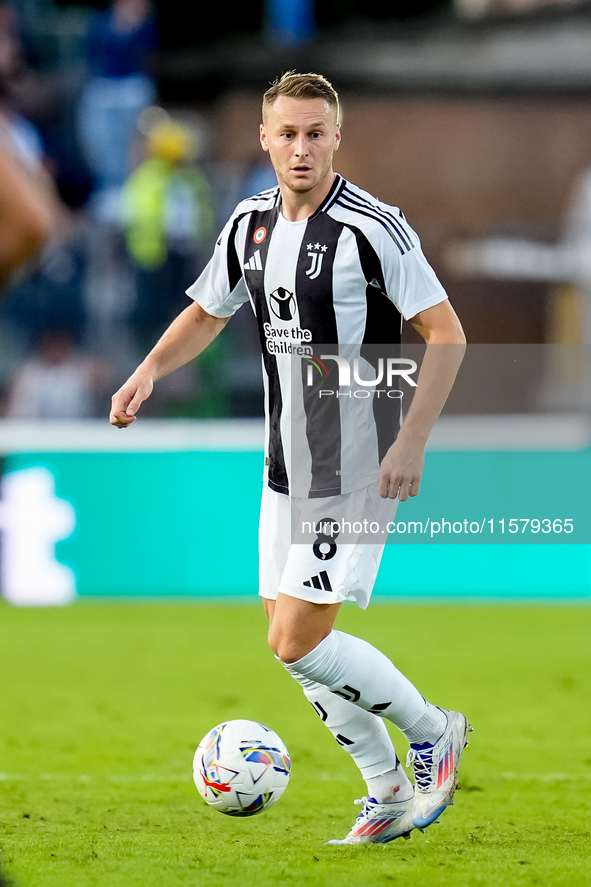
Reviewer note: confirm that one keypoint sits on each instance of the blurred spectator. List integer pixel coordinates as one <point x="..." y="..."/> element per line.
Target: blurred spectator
<point x="256" y="175"/>
<point x="56" y="382"/>
<point x="40" y="108"/>
<point x="259" y="176"/>
<point x="25" y="137"/>
<point x="169" y="224"/>
<point x="29" y="206"/>
<point x="12" y="59"/>
<point x="51" y="291"/>
<point x="31" y="211"/>
<point x="120" y="42"/>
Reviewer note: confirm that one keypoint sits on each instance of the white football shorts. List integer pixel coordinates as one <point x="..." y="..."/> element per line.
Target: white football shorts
<point x="324" y="550"/>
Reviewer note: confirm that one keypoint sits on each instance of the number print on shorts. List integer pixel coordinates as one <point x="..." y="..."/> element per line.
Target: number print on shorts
<point x="327" y="530"/>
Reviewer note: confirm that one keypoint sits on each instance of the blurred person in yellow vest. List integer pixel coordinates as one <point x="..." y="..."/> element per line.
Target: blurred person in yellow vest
<point x="168" y="221"/>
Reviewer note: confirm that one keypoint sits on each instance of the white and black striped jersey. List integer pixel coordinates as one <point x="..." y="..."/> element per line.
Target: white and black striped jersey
<point x="337" y="283"/>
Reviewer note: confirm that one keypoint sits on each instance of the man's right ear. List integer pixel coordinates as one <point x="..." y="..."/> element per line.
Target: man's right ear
<point x="263" y="137"/>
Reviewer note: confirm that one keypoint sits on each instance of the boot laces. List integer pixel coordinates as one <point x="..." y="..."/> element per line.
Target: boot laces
<point x="422" y="762"/>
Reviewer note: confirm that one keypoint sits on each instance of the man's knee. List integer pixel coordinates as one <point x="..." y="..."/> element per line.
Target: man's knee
<point x="286" y="647"/>
<point x="297" y="627"/>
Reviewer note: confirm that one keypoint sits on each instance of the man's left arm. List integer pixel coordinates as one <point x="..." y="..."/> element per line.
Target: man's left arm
<point x="402" y="467"/>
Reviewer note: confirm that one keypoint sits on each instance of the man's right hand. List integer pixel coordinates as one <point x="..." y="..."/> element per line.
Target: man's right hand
<point x="126" y="402"/>
<point x="186" y="337"/>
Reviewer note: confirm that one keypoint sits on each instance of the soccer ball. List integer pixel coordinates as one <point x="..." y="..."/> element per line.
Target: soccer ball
<point x="241" y="768"/>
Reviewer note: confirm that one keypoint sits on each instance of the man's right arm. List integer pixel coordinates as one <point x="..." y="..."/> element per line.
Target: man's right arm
<point x="187" y="336"/>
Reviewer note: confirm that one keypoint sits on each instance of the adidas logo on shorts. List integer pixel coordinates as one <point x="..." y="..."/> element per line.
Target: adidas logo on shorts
<point x="321" y="582"/>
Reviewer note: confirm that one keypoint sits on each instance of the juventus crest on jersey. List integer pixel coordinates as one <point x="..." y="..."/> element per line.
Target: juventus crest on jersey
<point x="329" y="293"/>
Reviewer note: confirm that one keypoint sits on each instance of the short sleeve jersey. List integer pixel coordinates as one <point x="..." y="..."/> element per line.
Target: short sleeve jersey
<point x="335" y="283"/>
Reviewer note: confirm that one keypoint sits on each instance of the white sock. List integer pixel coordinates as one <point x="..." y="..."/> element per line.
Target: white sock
<point x="391" y="786"/>
<point x="351" y="668"/>
<point x="363" y="735"/>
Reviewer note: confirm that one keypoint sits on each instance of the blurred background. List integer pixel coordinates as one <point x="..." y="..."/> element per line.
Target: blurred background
<point x="138" y="122"/>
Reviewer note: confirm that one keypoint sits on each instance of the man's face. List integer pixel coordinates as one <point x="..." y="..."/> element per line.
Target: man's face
<point x="301" y="136"/>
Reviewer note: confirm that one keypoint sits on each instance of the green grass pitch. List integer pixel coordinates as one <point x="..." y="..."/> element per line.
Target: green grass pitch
<point x="102" y="705"/>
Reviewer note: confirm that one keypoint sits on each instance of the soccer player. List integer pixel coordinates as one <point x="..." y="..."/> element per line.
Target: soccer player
<point x="326" y="264"/>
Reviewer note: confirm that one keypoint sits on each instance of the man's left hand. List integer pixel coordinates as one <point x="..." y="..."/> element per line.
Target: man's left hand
<point x="401" y="469"/>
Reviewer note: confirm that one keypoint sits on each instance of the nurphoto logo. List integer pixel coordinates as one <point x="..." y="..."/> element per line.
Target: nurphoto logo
<point x="385" y="371"/>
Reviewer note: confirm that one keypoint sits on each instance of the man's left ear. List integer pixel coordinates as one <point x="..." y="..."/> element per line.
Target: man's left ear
<point x="337" y="137"/>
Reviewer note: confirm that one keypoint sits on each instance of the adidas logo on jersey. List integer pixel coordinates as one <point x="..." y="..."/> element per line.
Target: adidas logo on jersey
<point x="254" y="263"/>
<point x="321" y="582"/>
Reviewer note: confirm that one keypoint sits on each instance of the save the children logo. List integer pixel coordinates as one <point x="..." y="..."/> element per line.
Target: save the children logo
<point x="282" y="303"/>
<point x="285" y="337"/>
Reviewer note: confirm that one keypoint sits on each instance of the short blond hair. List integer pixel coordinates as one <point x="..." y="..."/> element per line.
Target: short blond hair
<point x="302" y="86"/>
